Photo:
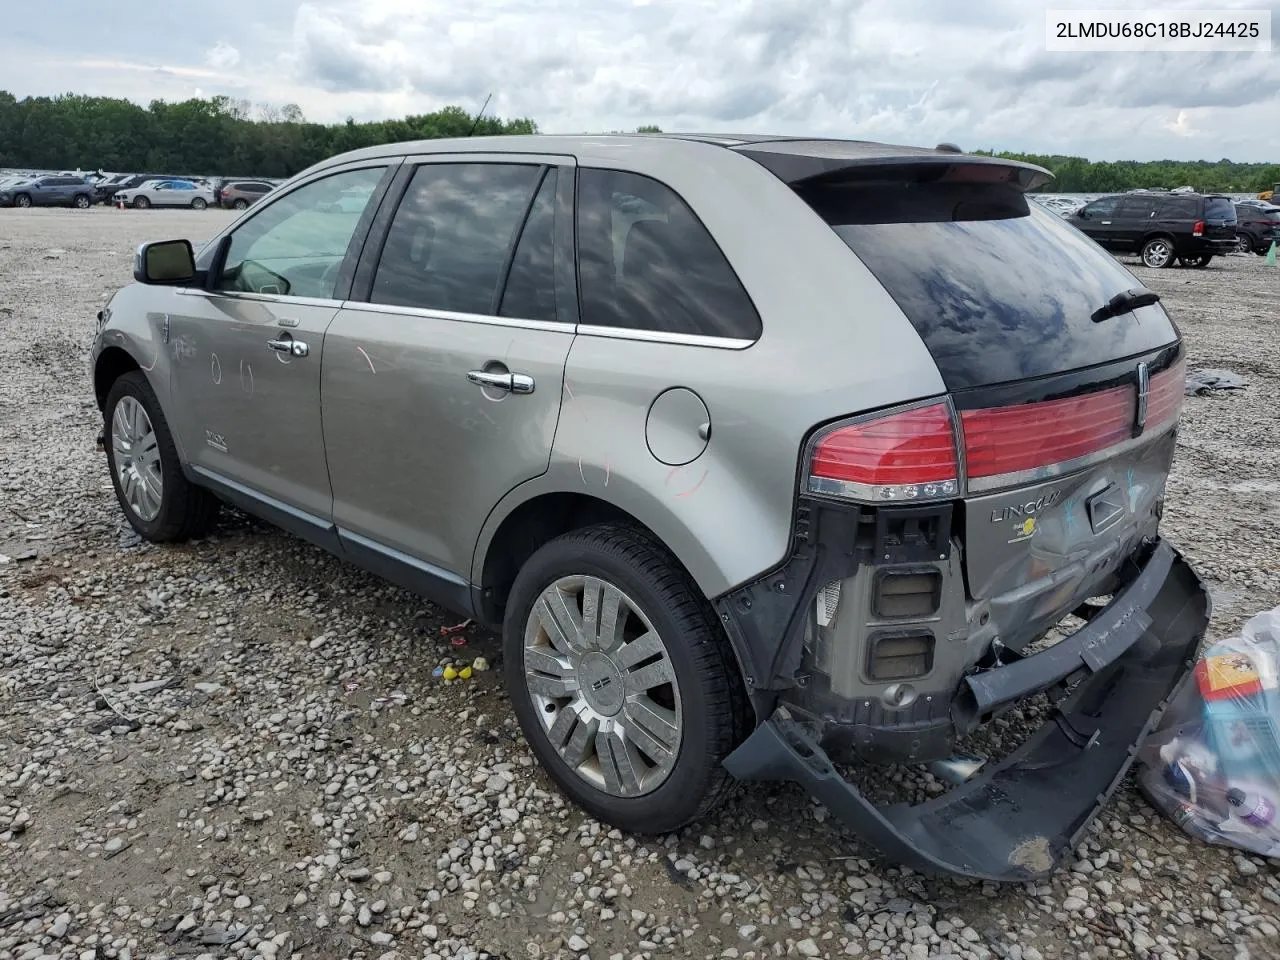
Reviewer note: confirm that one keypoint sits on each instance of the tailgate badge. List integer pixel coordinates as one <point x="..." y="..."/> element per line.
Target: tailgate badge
<point x="1144" y="390"/>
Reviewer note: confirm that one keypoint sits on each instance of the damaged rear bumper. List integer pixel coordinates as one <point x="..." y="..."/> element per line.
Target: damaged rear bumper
<point x="1021" y="817"/>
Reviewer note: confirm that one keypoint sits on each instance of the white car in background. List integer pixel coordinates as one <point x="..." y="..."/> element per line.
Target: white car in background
<point x="166" y="193"/>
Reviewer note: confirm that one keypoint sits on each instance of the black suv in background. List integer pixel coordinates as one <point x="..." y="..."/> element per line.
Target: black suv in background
<point x="1257" y="226"/>
<point x="1191" y="228"/>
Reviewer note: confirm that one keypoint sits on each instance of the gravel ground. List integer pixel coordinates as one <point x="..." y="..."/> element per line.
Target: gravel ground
<point x="236" y="747"/>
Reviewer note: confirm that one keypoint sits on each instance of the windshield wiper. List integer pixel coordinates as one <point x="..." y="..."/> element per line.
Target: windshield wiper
<point x="1126" y="301"/>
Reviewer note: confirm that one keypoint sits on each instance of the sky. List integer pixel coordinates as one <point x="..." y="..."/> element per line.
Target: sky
<point x="907" y="71"/>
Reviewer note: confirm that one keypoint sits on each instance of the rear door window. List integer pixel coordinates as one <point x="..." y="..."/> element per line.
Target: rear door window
<point x="452" y="234"/>
<point x="998" y="289"/>
<point x="646" y="262"/>
<point x="1104" y="207"/>
<point x="530" y="292"/>
<point x="1136" y="208"/>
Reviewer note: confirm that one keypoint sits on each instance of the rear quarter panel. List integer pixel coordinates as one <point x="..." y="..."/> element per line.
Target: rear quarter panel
<point x="834" y="344"/>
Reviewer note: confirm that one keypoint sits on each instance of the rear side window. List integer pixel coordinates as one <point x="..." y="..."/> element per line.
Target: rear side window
<point x="1137" y="208"/>
<point x="1180" y="208"/>
<point x="1219" y="208"/>
<point x="530" y="293"/>
<point x="451" y="236"/>
<point x="646" y="262"/>
<point x="997" y="288"/>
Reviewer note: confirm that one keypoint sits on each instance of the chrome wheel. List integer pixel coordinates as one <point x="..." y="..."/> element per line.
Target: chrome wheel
<point x="603" y="685"/>
<point x="1157" y="253"/>
<point x="1244" y="245"/>
<point x="136" y="453"/>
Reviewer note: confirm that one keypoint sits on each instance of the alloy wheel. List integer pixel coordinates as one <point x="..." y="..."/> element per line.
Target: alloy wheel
<point x="136" y="452"/>
<point x="603" y="685"/>
<point x="1157" y="253"/>
<point x="1244" y="245"/>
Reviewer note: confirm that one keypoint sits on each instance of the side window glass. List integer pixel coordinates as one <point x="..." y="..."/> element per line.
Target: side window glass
<point x="1102" y="208"/>
<point x="530" y="293"/>
<point x="451" y="236"/>
<point x="295" y="246"/>
<point x="645" y="262"/>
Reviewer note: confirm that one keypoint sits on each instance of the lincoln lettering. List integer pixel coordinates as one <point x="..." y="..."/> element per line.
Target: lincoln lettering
<point x="1029" y="509"/>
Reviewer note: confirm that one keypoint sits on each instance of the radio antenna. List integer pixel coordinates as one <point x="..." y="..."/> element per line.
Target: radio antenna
<point x="480" y="114"/>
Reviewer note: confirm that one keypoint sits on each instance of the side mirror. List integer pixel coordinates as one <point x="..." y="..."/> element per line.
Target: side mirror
<point x="165" y="262"/>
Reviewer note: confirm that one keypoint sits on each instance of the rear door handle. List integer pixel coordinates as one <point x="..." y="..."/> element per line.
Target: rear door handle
<point x="511" y="382"/>
<point x="294" y="348"/>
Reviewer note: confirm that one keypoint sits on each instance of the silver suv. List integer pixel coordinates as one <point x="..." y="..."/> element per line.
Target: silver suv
<point x="760" y="453"/>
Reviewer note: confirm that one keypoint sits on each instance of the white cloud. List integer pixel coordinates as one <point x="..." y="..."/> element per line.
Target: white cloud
<point x="222" y="56"/>
<point x="916" y="71"/>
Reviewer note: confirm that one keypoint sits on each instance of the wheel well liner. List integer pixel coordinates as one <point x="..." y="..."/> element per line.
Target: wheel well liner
<point x="113" y="363"/>
<point x="527" y="528"/>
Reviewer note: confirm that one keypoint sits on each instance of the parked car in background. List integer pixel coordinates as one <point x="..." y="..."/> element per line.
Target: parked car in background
<point x="128" y="181"/>
<point x="51" y="191"/>
<point x="166" y="193"/>
<point x="239" y="194"/>
<point x="1162" y="228"/>
<point x="606" y="395"/>
<point x="1257" y="226"/>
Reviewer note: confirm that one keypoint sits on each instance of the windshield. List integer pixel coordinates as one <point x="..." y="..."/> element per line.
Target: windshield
<point x="998" y="289"/>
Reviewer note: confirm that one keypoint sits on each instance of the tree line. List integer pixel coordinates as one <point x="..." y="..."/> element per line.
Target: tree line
<point x="223" y="136"/>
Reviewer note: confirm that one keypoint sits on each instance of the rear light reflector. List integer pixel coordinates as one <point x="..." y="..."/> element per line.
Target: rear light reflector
<point x="1165" y="395"/>
<point x="1002" y="440"/>
<point x="1198" y="229"/>
<point x="909" y="455"/>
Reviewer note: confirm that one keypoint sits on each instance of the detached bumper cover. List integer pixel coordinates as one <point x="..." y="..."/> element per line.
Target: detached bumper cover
<point x="1023" y="816"/>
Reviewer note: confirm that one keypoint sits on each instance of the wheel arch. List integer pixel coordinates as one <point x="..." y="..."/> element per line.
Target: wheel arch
<point x="113" y="363"/>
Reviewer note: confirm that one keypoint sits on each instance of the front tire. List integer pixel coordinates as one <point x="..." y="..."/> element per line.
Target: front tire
<point x="622" y="679"/>
<point x="198" y="204"/>
<point x="82" y="201"/>
<point x="158" y="500"/>
<point x="1244" y="244"/>
<point x="1157" y="253"/>
<point x="22" y="200"/>
<point x="141" y="203"/>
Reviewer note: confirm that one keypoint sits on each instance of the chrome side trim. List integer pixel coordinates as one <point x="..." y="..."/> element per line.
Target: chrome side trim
<point x="654" y="336"/>
<point x="551" y="326"/>
<point x="1036" y="474"/>
<point x="278" y="505"/>
<point x="261" y="297"/>
<point x="420" y="565"/>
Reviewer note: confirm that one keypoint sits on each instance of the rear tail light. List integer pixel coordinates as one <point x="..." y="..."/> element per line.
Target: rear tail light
<point x="1198" y="229"/>
<point x="910" y="455"/>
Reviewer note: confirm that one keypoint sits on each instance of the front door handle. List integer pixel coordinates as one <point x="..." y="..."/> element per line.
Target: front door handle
<point x="294" y="348"/>
<point x="1106" y="223"/>
<point x="511" y="382"/>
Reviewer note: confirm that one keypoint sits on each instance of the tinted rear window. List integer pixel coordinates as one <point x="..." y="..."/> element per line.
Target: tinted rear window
<point x="997" y="288"/>
<point x="1219" y="208"/>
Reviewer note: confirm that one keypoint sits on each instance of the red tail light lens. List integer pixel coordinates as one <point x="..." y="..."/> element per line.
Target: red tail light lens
<point x="909" y="455"/>
<point x="1165" y="395"/>
<point x="1011" y="439"/>
<point x="1198" y="229"/>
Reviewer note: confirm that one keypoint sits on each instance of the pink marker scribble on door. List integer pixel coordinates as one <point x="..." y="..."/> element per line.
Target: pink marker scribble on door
<point x="690" y="491"/>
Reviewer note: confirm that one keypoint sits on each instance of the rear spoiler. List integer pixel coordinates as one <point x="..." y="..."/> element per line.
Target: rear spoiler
<point x="796" y="163"/>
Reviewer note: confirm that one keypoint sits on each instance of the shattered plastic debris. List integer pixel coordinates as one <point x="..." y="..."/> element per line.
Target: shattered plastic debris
<point x="1214" y="764"/>
<point x="456" y="628"/>
<point x="1203" y="381"/>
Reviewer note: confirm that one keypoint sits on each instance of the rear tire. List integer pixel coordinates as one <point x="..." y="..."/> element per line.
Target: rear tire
<point x="140" y="451"/>
<point x="1157" y="253"/>
<point x="198" y="204"/>
<point x="240" y="204"/>
<point x="632" y="723"/>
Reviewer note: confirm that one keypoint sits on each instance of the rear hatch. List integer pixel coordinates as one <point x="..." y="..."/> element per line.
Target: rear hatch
<point x="1064" y="375"/>
<point x="1219" y="218"/>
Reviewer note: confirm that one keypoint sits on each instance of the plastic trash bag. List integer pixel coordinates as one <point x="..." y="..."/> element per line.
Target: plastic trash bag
<point x="1213" y="764"/>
